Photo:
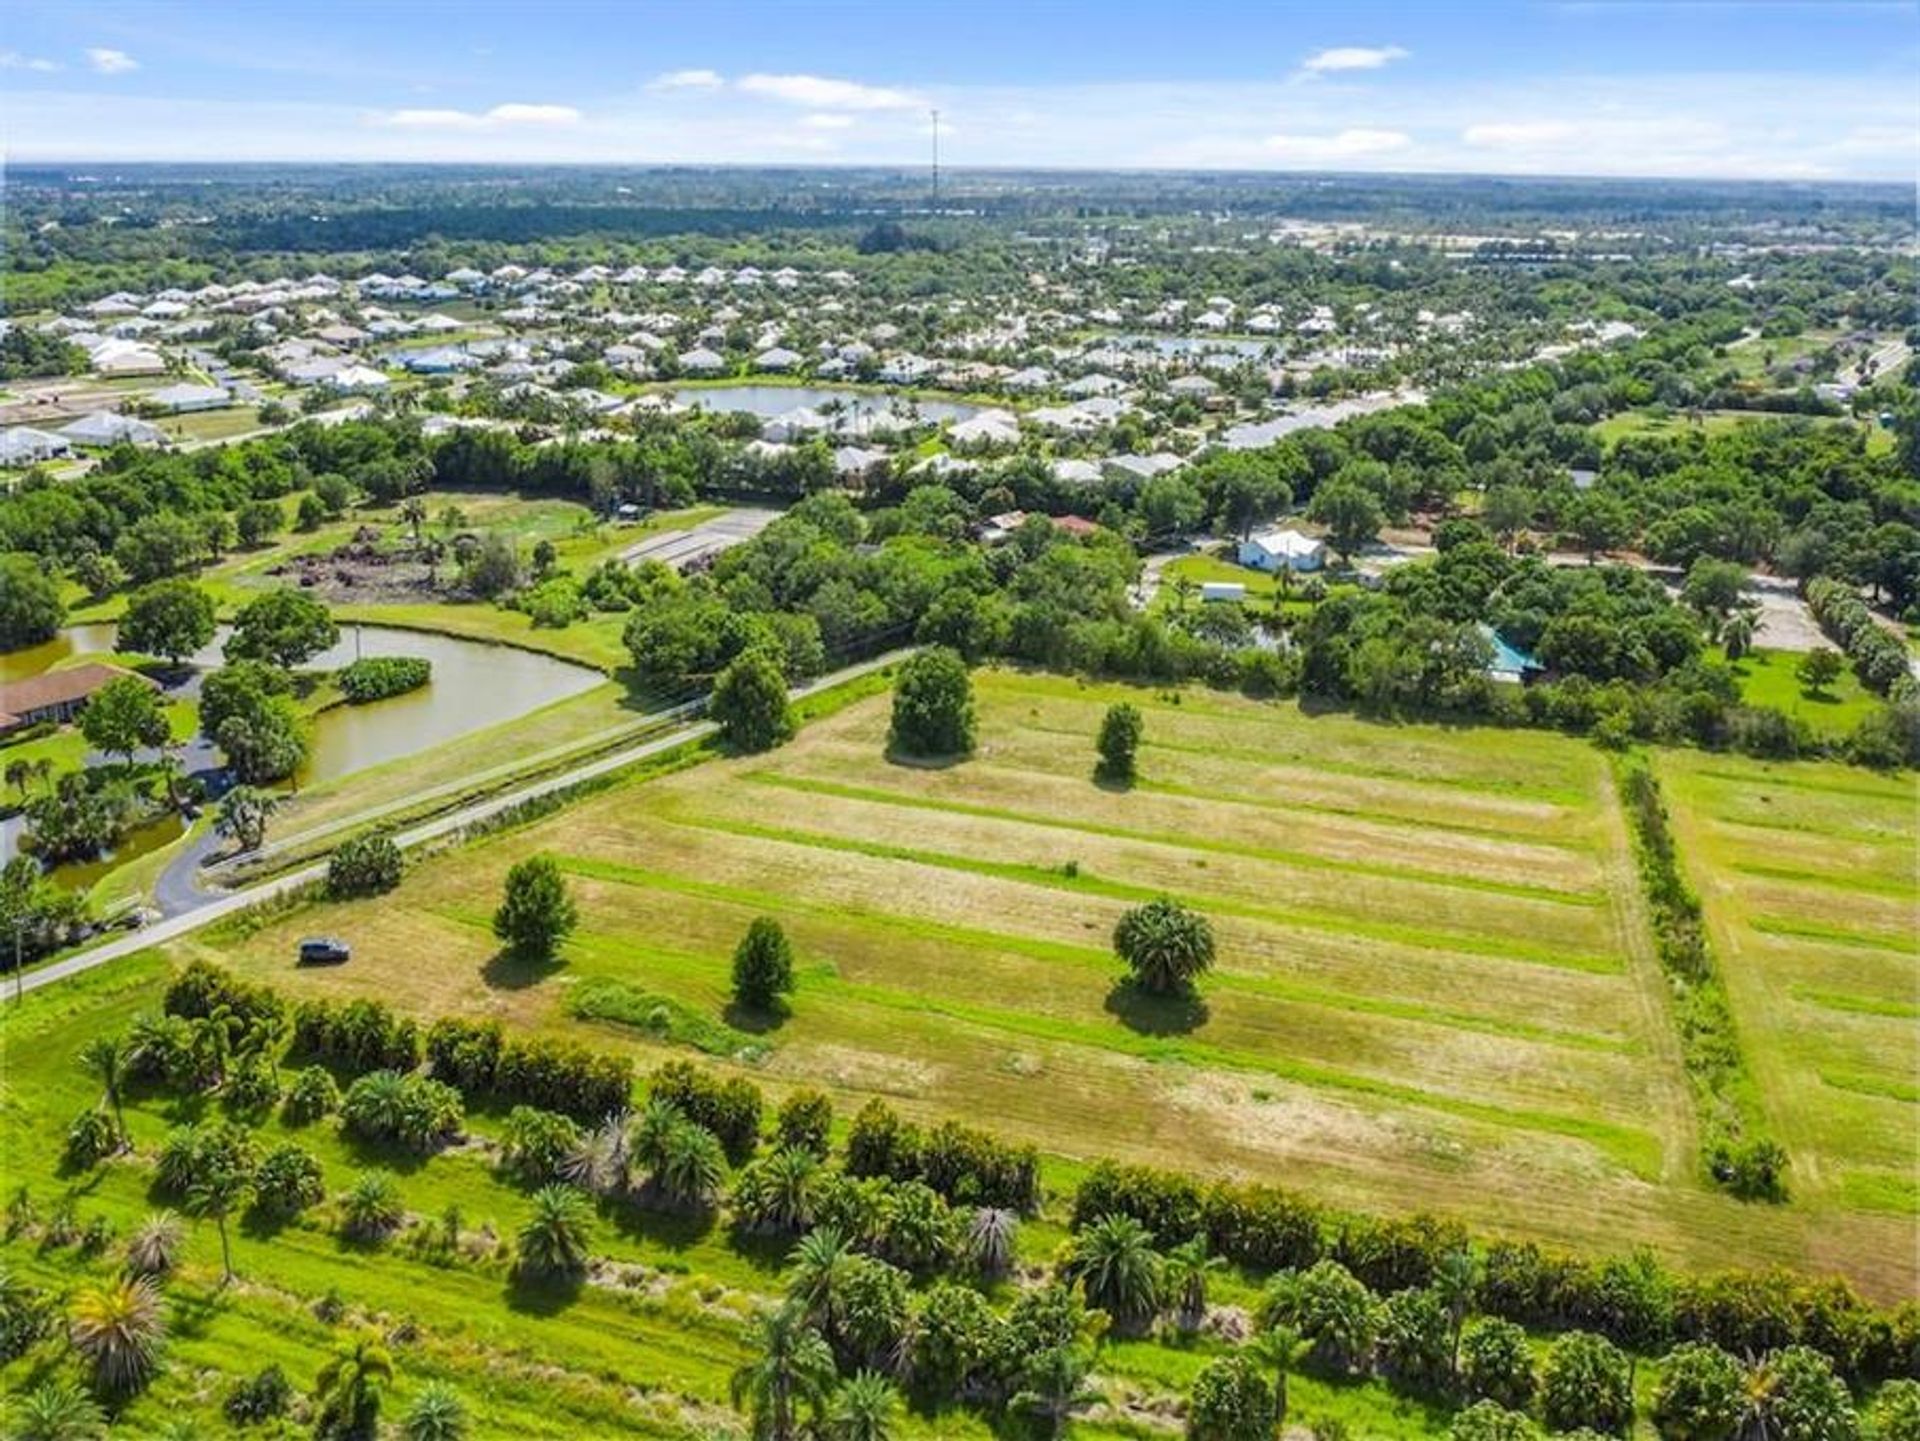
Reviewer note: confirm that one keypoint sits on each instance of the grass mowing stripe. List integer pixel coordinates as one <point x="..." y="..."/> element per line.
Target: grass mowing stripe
<point x="1561" y="796"/>
<point x="1300" y="918"/>
<point x="1636" y="1150"/>
<point x="1833" y="935"/>
<point x="1862" y="1083"/>
<point x="1359" y="813"/>
<point x="1063" y="953"/>
<point x="1801" y="783"/>
<point x="1827" y="880"/>
<point x="1856" y="1004"/>
<point x="1300" y="860"/>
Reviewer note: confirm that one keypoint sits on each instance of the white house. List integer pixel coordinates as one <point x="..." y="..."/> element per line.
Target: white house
<point x="183" y="399"/>
<point x="701" y="361"/>
<point x="356" y="377"/>
<point x="104" y="428"/>
<point x="23" y="445"/>
<point x="778" y="359"/>
<point x="1273" y="550"/>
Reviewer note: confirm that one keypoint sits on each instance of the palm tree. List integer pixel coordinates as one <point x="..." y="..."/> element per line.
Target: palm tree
<point x="57" y="1411"/>
<point x="693" y="1168"/>
<point x="1056" y="1387"/>
<point x="217" y="1196"/>
<point x="601" y="1159"/>
<point x="347" y="1391"/>
<point x="792" y="1367"/>
<point x="822" y="1264"/>
<point x="1184" y="1280"/>
<point x="244" y="814"/>
<point x="117" y="1328"/>
<point x="1115" y="1261"/>
<point x="1454" y="1281"/>
<point x="657" y="1121"/>
<point x="990" y="1239"/>
<point x="437" y="1414"/>
<point x="105" y="1059"/>
<point x="43" y="771"/>
<point x="153" y="1249"/>
<point x="553" y="1242"/>
<point x="1736" y="634"/>
<point x="787" y="1188"/>
<point x="19" y="771"/>
<point x="1183" y="589"/>
<point x="863" y="1409"/>
<point x="1275" y="1347"/>
<point x="413" y="510"/>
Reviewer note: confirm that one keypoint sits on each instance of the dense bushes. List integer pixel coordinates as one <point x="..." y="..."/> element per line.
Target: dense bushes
<point x="203" y="988"/>
<point x="1879" y="659"/>
<point x="364" y="865"/>
<point x="409" y="1110"/>
<point x="730" y="1109"/>
<point x="1630" y="1301"/>
<point x="966" y="1166"/>
<point x="479" y="1059"/>
<point x="356" y="1036"/>
<point x="381" y="676"/>
<point x="1738" y="1153"/>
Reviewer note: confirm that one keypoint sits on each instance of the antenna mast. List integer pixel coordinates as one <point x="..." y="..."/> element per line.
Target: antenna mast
<point x="936" y="161"/>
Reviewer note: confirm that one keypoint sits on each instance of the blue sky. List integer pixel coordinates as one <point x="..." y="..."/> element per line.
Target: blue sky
<point x="1601" y="87"/>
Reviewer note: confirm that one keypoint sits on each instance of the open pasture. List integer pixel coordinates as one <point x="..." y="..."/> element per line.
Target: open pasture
<point x="1434" y="987"/>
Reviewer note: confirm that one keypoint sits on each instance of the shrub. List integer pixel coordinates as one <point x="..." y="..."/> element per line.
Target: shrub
<point x="288" y="1182"/>
<point x="1415" y="1342"/>
<point x="93" y="1136"/>
<point x="1119" y="744"/>
<point x="356" y="1036"/>
<point x="1496" y="1364"/>
<point x="535" y="1143"/>
<point x="370" y="1208"/>
<point x="190" y="1154"/>
<point x="1487" y="1421"/>
<point x="364" y="865"/>
<point x="1896" y="1412"/>
<point x="730" y="1109"/>
<point x="412" y="1111"/>
<point x="956" y="1337"/>
<point x="1232" y="1400"/>
<point x="536" y="912"/>
<point x="202" y="988"/>
<point x="313" y="1094"/>
<point x="1585" y="1382"/>
<point x="1334" y="1313"/>
<point x="262" y="1397"/>
<point x="804" y="1122"/>
<point x="378" y="677"/>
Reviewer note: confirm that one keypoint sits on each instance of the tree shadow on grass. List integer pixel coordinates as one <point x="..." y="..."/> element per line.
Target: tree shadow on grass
<point x="755" y="1020"/>
<point x="1113" y="784"/>
<point x="638" y="1217"/>
<point x="531" y="1295"/>
<point x="510" y="970"/>
<point x="912" y="761"/>
<point x="1150" y="1013"/>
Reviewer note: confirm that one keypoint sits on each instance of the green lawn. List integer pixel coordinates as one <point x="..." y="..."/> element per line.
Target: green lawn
<point x="1770" y="678"/>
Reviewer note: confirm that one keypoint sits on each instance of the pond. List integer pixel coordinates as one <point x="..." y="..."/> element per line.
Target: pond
<point x="474" y="685"/>
<point x="141" y="840"/>
<point x="767" y="401"/>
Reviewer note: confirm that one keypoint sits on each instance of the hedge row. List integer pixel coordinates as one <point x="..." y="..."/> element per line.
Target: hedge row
<point x="479" y="1059"/>
<point x="1632" y="1301"/>
<point x="1740" y="1156"/>
<point x="1879" y="659"/>
<point x="203" y="988"/>
<point x="355" y="1036"/>
<point x="966" y="1166"/>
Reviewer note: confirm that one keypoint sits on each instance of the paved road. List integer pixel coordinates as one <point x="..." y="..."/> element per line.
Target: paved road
<point x="452" y="823"/>
<point x="681" y="548"/>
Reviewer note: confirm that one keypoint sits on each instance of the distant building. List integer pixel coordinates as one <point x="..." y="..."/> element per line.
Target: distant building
<point x="184" y="399"/>
<point x="22" y="445"/>
<point x="103" y="428"/>
<point x="57" y="697"/>
<point x="1275" y="550"/>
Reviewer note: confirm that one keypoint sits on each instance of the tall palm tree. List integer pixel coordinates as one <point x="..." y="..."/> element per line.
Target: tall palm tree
<point x="105" y="1059"/>
<point x="787" y="1185"/>
<point x="822" y="1264"/>
<point x="1115" y="1261"/>
<point x="155" y="1246"/>
<point x="1454" y="1280"/>
<point x="216" y="1196"/>
<point x="437" y="1414"/>
<point x="117" y="1328"/>
<point x="554" y="1240"/>
<point x="1056" y="1387"/>
<point x="1275" y="1347"/>
<point x="863" y="1409"/>
<point x="1183" y="1278"/>
<point x="57" y="1411"/>
<point x="792" y="1367"/>
<point x="347" y="1391"/>
<point x="19" y="771"/>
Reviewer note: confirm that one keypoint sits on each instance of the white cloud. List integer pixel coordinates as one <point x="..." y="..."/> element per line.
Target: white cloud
<point x="1520" y="135"/>
<point x="498" y="117"/>
<point x="1351" y="57"/>
<point x="818" y="92"/>
<point x="687" y="80"/>
<point x="14" y="60"/>
<point x="111" y="62"/>
<point x="827" y="122"/>
<point x="1341" y="145"/>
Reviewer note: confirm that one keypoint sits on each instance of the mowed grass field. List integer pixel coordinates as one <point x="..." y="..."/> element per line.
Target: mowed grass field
<point x="1807" y="873"/>
<point x="1434" y="987"/>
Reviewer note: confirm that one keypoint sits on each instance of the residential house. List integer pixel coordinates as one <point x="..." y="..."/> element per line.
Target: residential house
<point x="1276" y="550"/>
